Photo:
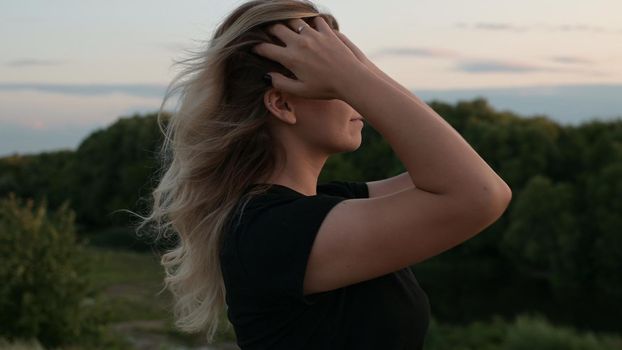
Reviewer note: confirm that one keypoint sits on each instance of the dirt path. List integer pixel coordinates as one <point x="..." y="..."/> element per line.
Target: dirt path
<point x="151" y="335"/>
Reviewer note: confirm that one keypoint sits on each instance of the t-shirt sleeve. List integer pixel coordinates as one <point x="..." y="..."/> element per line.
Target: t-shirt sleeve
<point x="347" y="189"/>
<point x="275" y="247"/>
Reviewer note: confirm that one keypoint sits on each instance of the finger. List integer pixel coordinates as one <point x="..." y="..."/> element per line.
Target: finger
<point x="270" y="51"/>
<point x="321" y="25"/>
<point x="283" y="32"/>
<point x="348" y="43"/>
<point x="357" y="52"/>
<point x="344" y="39"/>
<point x="296" y="23"/>
<point x="283" y="83"/>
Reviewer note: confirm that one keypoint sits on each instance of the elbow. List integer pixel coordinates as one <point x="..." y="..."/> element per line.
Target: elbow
<point x="498" y="200"/>
<point x="490" y="201"/>
<point x="505" y="195"/>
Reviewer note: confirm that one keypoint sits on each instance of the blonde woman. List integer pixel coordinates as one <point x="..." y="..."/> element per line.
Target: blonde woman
<point x="297" y="264"/>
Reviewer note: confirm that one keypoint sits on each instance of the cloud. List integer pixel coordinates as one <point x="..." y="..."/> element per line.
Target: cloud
<point x="33" y="62"/>
<point x="137" y="90"/>
<point x="492" y="26"/>
<point x="566" y="104"/>
<point x="508" y="27"/>
<point x="34" y="120"/>
<point x="40" y="110"/>
<point x="579" y="28"/>
<point x="412" y="51"/>
<point x="499" y="66"/>
<point x="488" y="66"/>
<point x="572" y="60"/>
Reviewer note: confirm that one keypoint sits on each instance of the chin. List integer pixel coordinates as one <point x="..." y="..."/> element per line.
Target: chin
<point x="345" y="147"/>
<point x="354" y="146"/>
<point x="346" y="142"/>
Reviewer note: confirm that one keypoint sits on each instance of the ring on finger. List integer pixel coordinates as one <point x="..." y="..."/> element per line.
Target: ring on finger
<point x="300" y="28"/>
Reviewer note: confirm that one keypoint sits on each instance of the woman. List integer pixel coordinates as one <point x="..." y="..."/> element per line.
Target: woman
<point x="296" y="264"/>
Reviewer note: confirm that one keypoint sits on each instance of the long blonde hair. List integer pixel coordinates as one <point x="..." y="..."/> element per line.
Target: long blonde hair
<point x="215" y="145"/>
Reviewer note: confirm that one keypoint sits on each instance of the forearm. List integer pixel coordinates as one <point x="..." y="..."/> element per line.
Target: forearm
<point x="403" y="180"/>
<point x="436" y="156"/>
<point x="384" y="76"/>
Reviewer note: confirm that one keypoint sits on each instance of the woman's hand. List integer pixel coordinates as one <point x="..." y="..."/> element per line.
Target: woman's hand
<point x="322" y="62"/>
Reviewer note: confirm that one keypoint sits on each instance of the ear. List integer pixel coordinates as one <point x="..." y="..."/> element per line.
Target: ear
<point x="280" y="106"/>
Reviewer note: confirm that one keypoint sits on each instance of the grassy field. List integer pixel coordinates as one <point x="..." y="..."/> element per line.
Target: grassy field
<point x="130" y="285"/>
<point x="139" y="317"/>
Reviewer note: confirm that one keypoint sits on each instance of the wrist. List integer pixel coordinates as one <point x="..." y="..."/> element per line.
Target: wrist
<point x="372" y="66"/>
<point x="381" y="74"/>
<point x="352" y="80"/>
<point x="357" y="87"/>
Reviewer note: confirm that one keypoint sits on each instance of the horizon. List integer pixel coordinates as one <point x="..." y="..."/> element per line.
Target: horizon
<point x="72" y="68"/>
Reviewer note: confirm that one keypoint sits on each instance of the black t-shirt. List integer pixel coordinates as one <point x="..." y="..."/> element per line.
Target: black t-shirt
<point x="264" y="258"/>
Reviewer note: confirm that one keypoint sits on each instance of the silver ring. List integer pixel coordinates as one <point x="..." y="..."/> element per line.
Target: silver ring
<point x="299" y="30"/>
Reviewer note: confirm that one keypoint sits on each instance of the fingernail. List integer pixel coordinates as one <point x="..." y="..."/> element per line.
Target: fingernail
<point x="267" y="78"/>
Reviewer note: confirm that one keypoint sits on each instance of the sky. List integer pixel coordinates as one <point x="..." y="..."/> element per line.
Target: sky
<point x="70" y="67"/>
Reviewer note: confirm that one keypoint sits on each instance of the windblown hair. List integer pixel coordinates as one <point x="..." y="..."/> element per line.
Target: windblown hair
<point x="215" y="145"/>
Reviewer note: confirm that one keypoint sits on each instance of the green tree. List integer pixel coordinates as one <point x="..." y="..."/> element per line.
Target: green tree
<point x="604" y="195"/>
<point x="542" y="238"/>
<point x="44" y="274"/>
<point x="112" y="170"/>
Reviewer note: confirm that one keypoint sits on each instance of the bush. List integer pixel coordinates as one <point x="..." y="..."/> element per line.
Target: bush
<point x="44" y="292"/>
<point x="535" y="332"/>
<point x="478" y="335"/>
<point x="31" y="344"/>
<point x="528" y="331"/>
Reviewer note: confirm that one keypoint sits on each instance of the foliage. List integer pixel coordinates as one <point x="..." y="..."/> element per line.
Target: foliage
<point x="31" y="344"/>
<point x="44" y="292"/>
<point x="525" y="332"/>
<point x="557" y="245"/>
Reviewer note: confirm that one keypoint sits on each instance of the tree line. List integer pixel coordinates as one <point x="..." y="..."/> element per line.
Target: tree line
<point x="557" y="249"/>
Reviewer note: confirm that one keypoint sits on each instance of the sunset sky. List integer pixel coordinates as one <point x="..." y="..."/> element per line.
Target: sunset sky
<point x="69" y="67"/>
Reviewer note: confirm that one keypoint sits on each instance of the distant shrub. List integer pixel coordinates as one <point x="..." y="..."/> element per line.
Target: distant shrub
<point x="535" y="332"/>
<point x="44" y="288"/>
<point x="31" y="344"/>
<point x="528" y="331"/>
<point x="478" y="335"/>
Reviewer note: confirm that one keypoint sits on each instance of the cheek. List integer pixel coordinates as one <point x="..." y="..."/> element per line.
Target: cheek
<point x="321" y="119"/>
<point x="328" y="128"/>
<point x="325" y="132"/>
<point x="327" y="124"/>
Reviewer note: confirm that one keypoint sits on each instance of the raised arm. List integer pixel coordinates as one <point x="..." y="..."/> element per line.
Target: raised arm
<point x="390" y="185"/>
<point x="438" y="159"/>
<point x="457" y="193"/>
<point x="401" y="181"/>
